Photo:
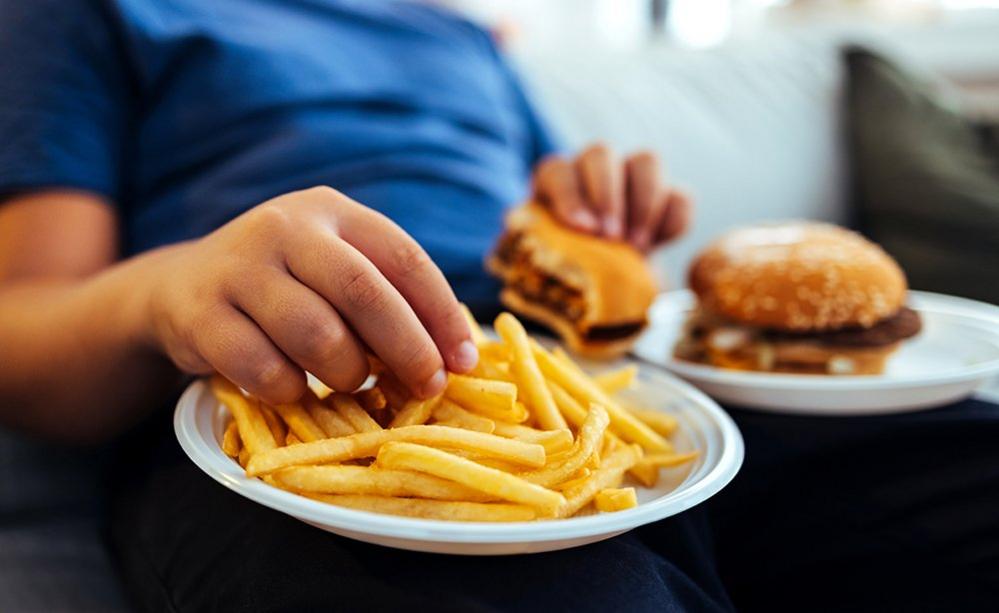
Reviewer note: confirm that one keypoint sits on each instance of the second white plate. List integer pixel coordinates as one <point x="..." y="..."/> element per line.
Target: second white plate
<point x="957" y="351"/>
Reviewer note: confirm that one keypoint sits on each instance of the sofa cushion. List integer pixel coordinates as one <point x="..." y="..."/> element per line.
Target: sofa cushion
<point x="926" y="179"/>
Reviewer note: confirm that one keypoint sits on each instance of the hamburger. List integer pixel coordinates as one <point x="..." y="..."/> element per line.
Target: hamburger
<point x="797" y="297"/>
<point x="593" y="292"/>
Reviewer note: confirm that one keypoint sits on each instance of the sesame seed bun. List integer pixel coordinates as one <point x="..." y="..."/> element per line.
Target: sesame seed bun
<point x="798" y="276"/>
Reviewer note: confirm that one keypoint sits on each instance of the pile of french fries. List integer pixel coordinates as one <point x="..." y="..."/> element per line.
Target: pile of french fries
<point x="526" y="435"/>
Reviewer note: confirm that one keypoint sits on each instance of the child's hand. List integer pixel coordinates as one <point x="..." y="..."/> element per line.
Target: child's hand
<point x="597" y="193"/>
<point x="308" y="281"/>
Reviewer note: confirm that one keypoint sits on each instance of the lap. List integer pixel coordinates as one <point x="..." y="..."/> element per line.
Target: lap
<point x="185" y="543"/>
<point x="892" y="511"/>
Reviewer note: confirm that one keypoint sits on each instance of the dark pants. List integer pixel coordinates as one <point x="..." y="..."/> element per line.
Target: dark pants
<point x="883" y="513"/>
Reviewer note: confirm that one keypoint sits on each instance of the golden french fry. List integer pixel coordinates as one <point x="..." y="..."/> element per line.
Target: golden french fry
<point x="415" y="412"/>
<point x="615" y="499"/>
<point x="525" y="369"/>
<point x="554" y="441"/>
<point x="433" y="509"/>
<point x="663" y="423"/>
<point x="591" y="434"/>
<point x="646" y="474"/>
<point x="490" y="369"/>
<point x="372" y="480"/>
<point x="478" y="336"/>
<point x="450" y="412"/>
<point x="349" y="409"/>
<point x="574" y="381"/>
<point x="409" y="456"/>
<point x="608" y="475"/>
<point x="613" y="381"/>
<point x="372" y="399"/>
<point x="366" y="444"/>
<point x="571" y="409"/>
<point x="495" y="351"/>
<point x="244" y="457"/>
<point x="583" y="473"/>
<point x="668" y="460"/>
<point x="292" y="439"/>
<point x="494" y="399"/>
<point x="230" y="440"/>
<point x="253" y="430"/>
<point x="279" y="430"/>
<point x="328" y="420"/>
<point x="300" y="422"/>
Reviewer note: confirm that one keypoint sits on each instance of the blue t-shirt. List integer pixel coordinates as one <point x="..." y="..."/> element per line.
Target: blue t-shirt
<point x="186" y="113"/>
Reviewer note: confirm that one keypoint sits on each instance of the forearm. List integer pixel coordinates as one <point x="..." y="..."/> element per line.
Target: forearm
<point x="76" y="359"/>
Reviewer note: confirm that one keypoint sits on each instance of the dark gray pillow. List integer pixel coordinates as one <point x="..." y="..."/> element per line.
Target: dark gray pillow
<point x="925" y="179"/>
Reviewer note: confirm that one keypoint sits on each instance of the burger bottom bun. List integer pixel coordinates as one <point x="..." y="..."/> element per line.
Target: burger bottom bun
<point x="603" y="350"/>
<point x="795" y="357"/>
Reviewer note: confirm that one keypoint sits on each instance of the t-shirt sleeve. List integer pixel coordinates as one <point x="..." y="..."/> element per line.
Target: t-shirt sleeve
<point x="63" y="97"/>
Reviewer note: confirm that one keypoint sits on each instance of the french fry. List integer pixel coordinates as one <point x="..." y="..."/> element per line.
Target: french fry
<point x="244" y="457"/>
<point x="611" y="500"/>
<point x="279" y="430"/>
<point x="536" y="394"/>
<point x="408" y="456"/>
<point x="571" y="409"/>
<point x="292" y="439"/>
<point x="450" y="412"/>
<point x="554" y="441"/>
<point x="646" y="474"/>
<point x="591" y="435"/>
<point x="613" y="381"/>
<point x="366" y="444"/>
<point x="496" y="351"/>
<point x="626" y="425"/>
<point x="300" y="422"/>
<point x="372" y="399"/>
<point x="433" y="509"/>
<point x="253" y="430"/>
<point x="489" y="369"/>
<point x="478" y="336"/>
<point x="494" y="399"/>
<point x="415" y="412"/>
<point x="230" y="440"/>
<point x="668" y="460"/>
<point x="328" y="420"/>
<point x="663" y="423"/>
<point x="349" y="409"/>
<point x="374" y="481"/>
<point x="608" y="475"/>
<point x="575" y="481"/>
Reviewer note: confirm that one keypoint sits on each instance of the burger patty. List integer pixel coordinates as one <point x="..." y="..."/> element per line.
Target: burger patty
<point x="905" y="323"/>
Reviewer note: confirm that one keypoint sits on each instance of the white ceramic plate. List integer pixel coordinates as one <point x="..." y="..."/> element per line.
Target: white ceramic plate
<point x="199" y="421"/>
<point x="957" y="351"/>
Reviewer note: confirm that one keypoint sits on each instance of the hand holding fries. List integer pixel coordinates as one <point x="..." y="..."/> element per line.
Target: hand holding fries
<point x="527" y="435"/>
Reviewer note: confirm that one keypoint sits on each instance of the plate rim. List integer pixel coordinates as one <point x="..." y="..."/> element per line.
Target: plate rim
<point x="972" y="310"/>
<point x="412" y="529"/>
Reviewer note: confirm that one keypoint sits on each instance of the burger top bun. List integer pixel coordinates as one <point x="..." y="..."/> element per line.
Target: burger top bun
<point x="798" y="276"/>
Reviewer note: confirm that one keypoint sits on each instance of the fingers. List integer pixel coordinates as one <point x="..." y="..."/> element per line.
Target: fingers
<point x="644" y="198"/>
<point x="372" y="306"/>
<point x="557" y="186"/>
<point x="677" y="213"/>
<point x="304" y="327"/>
<point x="420" y="282"/>
<point x="602" y="183"/>
<point x="242" y="353"/>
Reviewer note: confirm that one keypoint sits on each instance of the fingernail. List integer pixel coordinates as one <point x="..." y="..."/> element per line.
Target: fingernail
<point x="612" y="227"/>
<point x="584" y="219"/>
<point x="466" y="356"/>
<point x="434" y="384"/>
